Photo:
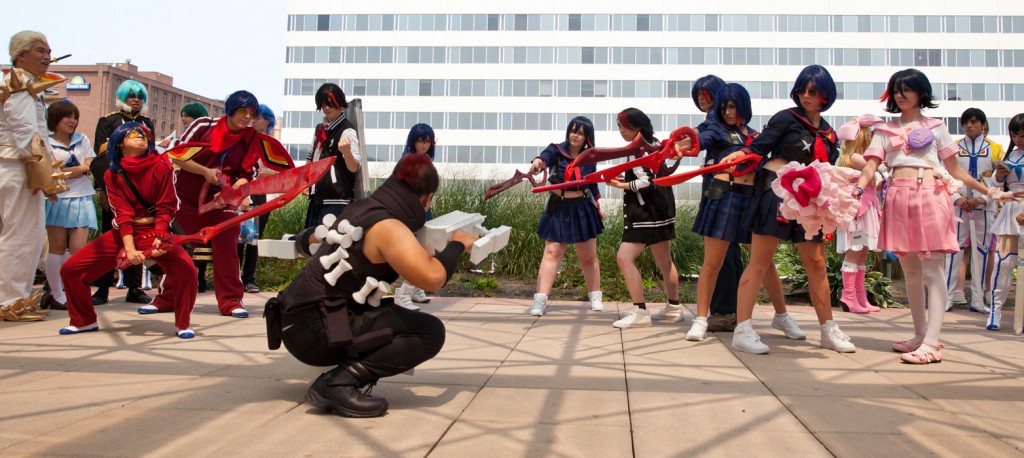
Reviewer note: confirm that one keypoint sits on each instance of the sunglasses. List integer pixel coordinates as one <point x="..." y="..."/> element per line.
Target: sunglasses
<point x="246" y="112"/>
<point x="137" y="134"/>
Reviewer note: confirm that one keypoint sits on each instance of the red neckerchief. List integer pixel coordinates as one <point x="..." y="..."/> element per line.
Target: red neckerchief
<point x="574" y="174"/>
<point x="820" y="151"/>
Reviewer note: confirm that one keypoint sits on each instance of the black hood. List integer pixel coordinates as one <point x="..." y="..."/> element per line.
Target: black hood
<point x="401" y="202"/>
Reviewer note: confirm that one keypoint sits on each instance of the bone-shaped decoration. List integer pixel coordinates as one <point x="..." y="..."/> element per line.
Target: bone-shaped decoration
<point x="369" y="288"/>
<point x="336" y="238"/>
<point x="333" y="276"/>
<point x="375" y="297"/>
<point x="346" y="227"/>
<point x="331" y="259"/>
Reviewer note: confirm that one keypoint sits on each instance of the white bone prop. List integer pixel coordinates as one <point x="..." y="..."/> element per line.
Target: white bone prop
<point x="329" y="260"/>
<point x="346" y="227"/>
<point x="375" y="297"/>
<point x="336" y="238"/>
<point x="493" y="241"/>
<point x="369" y="288"/>
<point x="333" y="276"/>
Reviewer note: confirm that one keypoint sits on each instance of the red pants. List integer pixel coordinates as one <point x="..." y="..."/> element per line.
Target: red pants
<point x="227" y="280"/>
<point x="178" y="289"/>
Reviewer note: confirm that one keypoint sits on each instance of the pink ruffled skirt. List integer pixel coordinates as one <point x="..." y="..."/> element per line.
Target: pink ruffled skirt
<point x="917" y="218"/>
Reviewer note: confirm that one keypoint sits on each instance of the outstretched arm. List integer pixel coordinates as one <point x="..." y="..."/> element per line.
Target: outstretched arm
<point x="392" y="242"/>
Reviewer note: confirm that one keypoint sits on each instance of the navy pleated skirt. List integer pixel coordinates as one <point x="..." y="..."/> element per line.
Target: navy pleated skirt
<point x="723" y="218"/>
<point x="569" y="221"/>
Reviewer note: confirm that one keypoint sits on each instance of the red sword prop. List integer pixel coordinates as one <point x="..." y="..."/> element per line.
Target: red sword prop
<point x="517" y="178"/>
<point x="652" y="161"/>
<point x="685" y="176"/>
<point x="277" y="183"/>
<point x="307" y="176"/>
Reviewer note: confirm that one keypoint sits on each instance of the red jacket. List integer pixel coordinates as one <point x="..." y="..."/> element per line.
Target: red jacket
<point x="153" y="177"/>
<point x="230" y="162"/>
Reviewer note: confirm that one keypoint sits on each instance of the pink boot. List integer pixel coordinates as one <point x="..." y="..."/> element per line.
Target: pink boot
<point x="862" y="294"/>
<point x="849" y="297"/>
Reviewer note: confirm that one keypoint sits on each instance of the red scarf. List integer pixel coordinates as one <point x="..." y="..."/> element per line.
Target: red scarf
<point x="820" y="150"/>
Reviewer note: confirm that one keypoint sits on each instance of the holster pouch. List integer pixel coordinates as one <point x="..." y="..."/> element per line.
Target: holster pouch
<point x="272" y="313"/>
<point x="717" y="189"/>
<point x="337" y="325"/>
<point x="552" y="205"/>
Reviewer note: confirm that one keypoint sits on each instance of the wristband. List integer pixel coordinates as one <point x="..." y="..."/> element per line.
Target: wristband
<point x="860" y="190"/>
<point x="449" y="258"/>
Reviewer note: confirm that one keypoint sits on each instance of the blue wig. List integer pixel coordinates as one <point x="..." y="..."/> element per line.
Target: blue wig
<point x="913" y="80"/>
<point x="241" y="99"/>
<point x="419" y="132"/>
<point x="738" y="95"/>
<point x="268" y="114"/>
<point x="822" y="81"/>
<point x="118" y="136"/>
<point x="132" y="87"/>
<point x="588" y="130"/>
<point x="709" y="84"/>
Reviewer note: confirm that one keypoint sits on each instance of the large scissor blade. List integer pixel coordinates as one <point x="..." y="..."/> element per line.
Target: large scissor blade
<point x="685" y="176"/>
<point x="286" y="180"/>
<point x="638" y="146"/>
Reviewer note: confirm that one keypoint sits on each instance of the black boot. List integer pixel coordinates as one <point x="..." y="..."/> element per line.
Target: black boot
<point x="100" y="296"/>
<point x="137" y="296"/>
<point x="339" y="390"/>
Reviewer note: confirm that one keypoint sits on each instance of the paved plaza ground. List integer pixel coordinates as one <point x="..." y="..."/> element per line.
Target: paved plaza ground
<point x="509" y="384"/>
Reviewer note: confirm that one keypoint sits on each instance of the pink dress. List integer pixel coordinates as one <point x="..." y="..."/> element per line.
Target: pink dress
<point x="917" y="215"/>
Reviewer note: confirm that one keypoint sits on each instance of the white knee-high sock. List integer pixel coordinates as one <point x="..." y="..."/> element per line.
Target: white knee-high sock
<point x="934" y="274"/>
<point x="53" y="263"/>
<point x="915" y="291"/>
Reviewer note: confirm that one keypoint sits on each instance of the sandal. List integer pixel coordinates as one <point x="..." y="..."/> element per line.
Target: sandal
<point x="925" y="354"/>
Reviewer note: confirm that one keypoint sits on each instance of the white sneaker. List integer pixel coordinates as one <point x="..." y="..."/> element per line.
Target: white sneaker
<point x="405" y="300"/>
<point x="638" y="317"/>
<point x="698" y="329"/>
<point x="418" y="295"/>
<point x="673" y="313"/>
<point x="949" y="306"/>
<point x="958" y="297"/>
<point x="994" y="318"/>
<point x="834" y="338"/>
<point x="595" y="301"/>
<point x="745" y="339"/>
<point x="540" y="303"/>
<point x="980" y="308"/>
<point x="788" y="326"/>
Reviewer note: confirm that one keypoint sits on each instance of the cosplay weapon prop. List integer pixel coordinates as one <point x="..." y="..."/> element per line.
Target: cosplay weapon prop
<point x="277" y="183"/>
<point x="58" y="59"/>
<point x="437" y="232"/>
<point x="354" y="114"/>
<point x="651" y="161"/>
<point x="517" y="178"/>
<point x="749" y="158"/>
<point x="309" y="177"/>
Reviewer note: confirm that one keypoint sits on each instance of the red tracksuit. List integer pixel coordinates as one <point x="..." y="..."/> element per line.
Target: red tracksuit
<point x="154" y="179"/>
<point x="231" y="161"/>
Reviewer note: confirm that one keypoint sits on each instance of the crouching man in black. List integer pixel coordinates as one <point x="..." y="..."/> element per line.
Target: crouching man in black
<point x="333" y="312"/>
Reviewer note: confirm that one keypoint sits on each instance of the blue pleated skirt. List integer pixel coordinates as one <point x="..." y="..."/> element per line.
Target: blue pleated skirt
<point x="71" y="212"/>
<point x="570" y="221"/>
<point x="723" y="219"/>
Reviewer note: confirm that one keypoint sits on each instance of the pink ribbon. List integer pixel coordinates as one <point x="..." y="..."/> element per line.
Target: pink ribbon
<point x="807" y="189"/>
<point x="849" y="130"/>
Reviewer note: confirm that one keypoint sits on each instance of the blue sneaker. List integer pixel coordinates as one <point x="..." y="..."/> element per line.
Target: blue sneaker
<point x="240" y="313"/>
<point x="186" y="333"/>
<point x="147" y="310"/>
<point x="75" y="330"/>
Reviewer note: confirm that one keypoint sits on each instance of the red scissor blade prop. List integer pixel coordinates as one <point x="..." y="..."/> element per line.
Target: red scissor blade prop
<point x="517" y="178"/>
<point x="309" y="178"/>
<point x="651" y="161"/>
<point x="686" y="176"/>
<point x="277" y="183"/>
<point x="638" y="146"/>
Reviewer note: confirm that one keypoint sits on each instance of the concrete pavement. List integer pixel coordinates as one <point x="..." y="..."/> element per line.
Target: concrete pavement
<point x="509" y="384"/>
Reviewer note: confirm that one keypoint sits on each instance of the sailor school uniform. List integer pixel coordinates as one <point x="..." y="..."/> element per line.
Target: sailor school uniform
<point x="648" y="211"/>
<point x="74" y="208"/>
<point x="572" y="220"/>
<point x="337" y="188"/>
<point x="791" y="136"/>
<point x="721" y="210"/>
<point x="1006" y="225"/>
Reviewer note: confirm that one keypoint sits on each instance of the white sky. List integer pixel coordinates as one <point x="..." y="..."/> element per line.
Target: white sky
<point x="211" y="48"/>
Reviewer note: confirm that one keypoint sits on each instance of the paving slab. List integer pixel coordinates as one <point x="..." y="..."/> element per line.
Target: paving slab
<point x="511" y="384"/>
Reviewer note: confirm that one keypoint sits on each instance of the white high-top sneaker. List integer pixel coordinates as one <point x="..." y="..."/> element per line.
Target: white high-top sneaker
<point x="418" y="295"/>
<point x="636" y="318"/>
<point x="698" y="329"/>
<point x="834" y="338"/>
<point x="994" y="318"/>
<point x="745" y="339"/>
<point x="672" y="313"/>
<point x="788" y="326"/>
<point x="540" y="304"/>
<point x="595" y="301"/>
<point x="404" y="299"/>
